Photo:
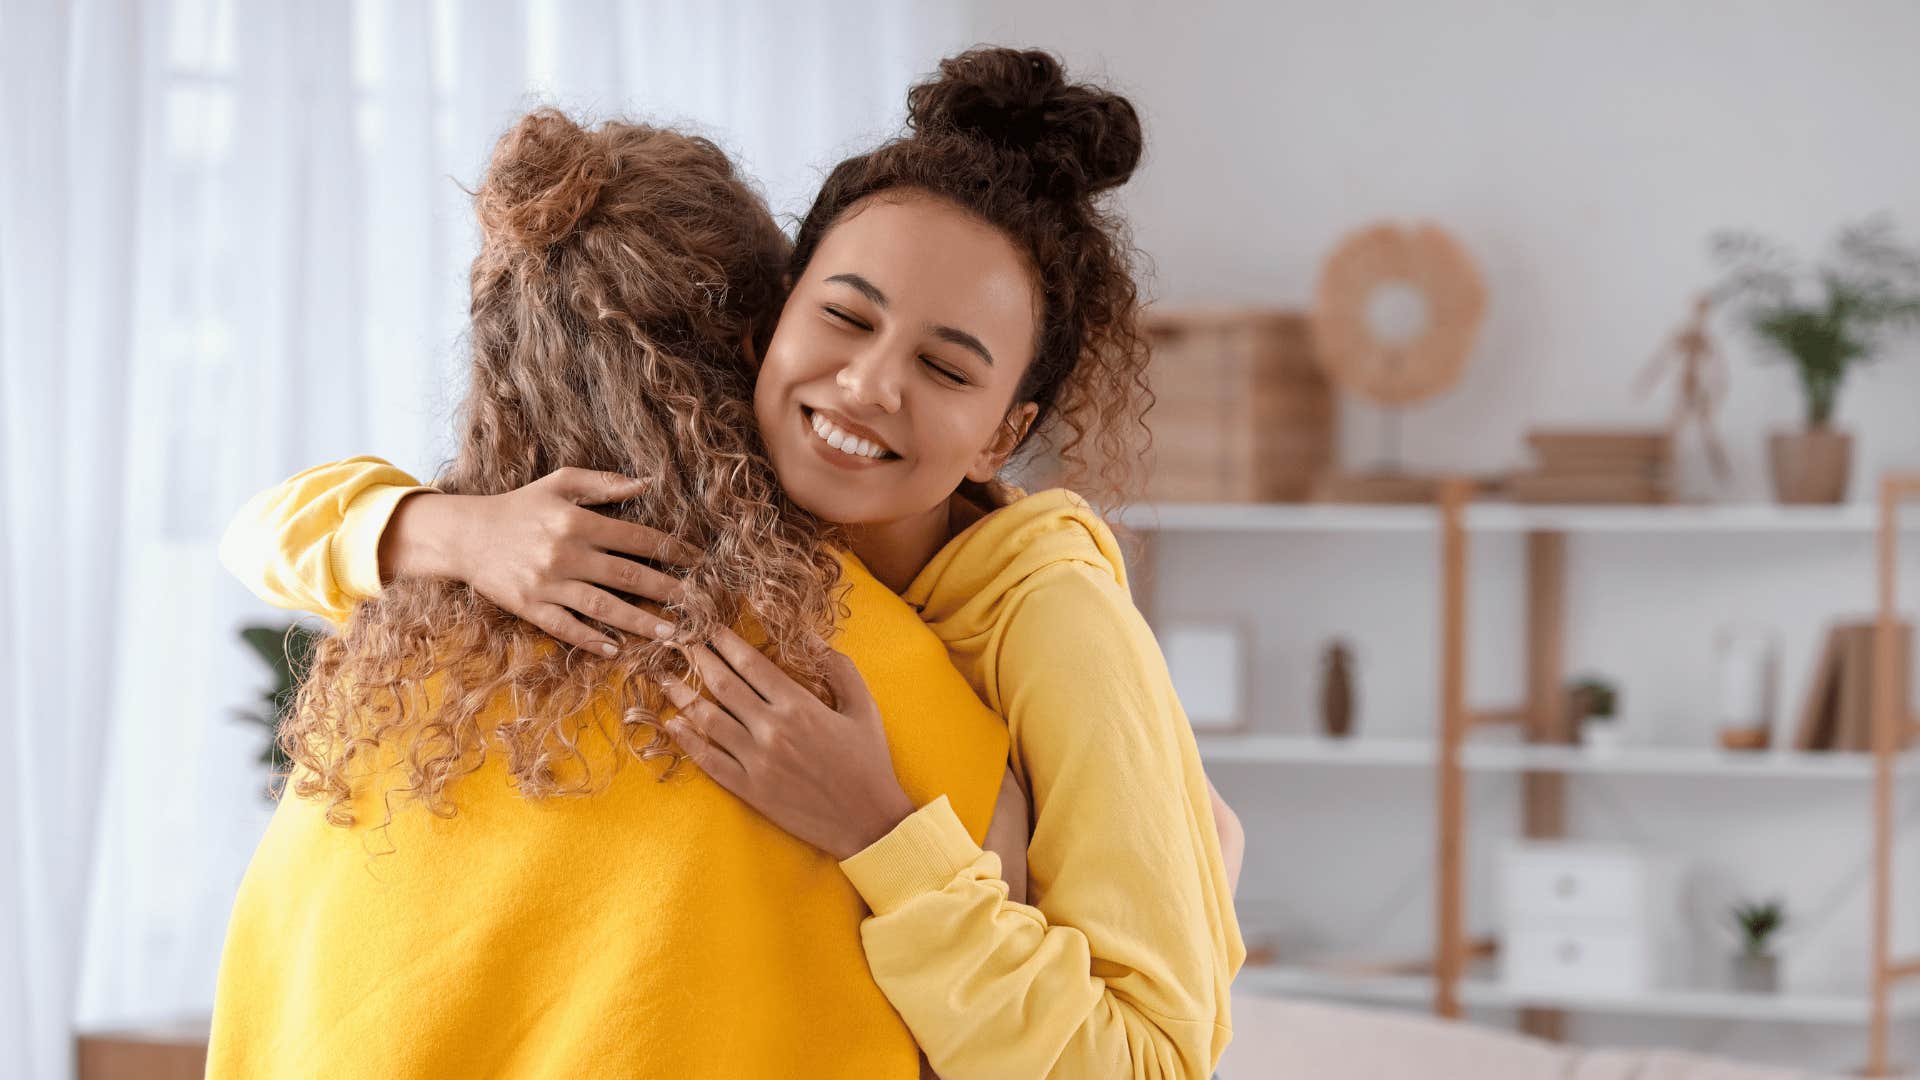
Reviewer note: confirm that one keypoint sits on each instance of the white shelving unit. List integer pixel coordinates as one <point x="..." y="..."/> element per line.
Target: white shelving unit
<point x="1485" y="993"/>
<point x="1383" y="752"/>
<point x="1857" y="519"/>
<point x="1888" y="998"/>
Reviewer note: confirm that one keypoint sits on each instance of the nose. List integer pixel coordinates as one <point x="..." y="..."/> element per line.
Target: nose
<point x="871" y="377"/>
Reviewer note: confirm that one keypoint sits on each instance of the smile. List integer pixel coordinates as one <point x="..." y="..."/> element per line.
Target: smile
<point x="844" y="441"/>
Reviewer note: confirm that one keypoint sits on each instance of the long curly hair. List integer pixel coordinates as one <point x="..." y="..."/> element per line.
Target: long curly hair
<point x="622" y="273"/>
<point x="1003" y="134"/>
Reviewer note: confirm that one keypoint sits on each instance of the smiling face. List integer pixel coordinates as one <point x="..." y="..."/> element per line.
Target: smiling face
<point x="891" y="375"/>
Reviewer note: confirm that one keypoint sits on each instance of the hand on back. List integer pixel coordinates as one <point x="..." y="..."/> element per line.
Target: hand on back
<point x="541" y="554"/>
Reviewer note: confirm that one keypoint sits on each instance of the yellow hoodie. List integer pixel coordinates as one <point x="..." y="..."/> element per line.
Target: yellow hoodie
<point x="649" y="930"/>
<point x="1122" y="967"/>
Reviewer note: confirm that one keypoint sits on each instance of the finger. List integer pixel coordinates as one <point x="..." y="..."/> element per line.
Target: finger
<point x="727" y="688"/>
<point x="765" y="676"/>
<point x="848" y="686"/>
<point x="713" y="761"/>
<point x="714" y="723"/>
<point x="561" y="624"/>
<point x="612" y="534"/>
<point x="628" y="576"/>
<point x="604" y="607"/>
<point x="590" y="487"/>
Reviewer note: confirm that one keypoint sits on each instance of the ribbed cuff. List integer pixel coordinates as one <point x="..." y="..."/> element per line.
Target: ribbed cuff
<point x="354" y="554"/>
<point x="920" y="855"/>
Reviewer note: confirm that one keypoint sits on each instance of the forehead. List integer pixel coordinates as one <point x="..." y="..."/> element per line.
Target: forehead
<point x="935" y="262"/>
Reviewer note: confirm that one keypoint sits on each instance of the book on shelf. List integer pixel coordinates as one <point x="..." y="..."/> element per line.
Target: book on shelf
<point x="1837" y="712"/>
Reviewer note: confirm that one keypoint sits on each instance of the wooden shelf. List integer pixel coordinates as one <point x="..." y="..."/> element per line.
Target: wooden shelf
<point x="1386" y="752"/>
<point x="1487" y="993"/>
<point x="1855" y="519"/>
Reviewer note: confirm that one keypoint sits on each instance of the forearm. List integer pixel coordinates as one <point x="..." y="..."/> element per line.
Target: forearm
<point x="309" y="543"/>
<point x="993" y="988"/>
<point x="419" y="540"/>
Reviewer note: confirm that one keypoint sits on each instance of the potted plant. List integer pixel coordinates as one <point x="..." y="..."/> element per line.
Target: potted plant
<point x="1593" y="711"/>
<point x="1824" y="320"/>
<point x="288" y="653"/>
<point x="1755" y="967"/>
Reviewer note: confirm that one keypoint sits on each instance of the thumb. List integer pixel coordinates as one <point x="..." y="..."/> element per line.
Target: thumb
<point x="590" y="487"/>
<point x="849" y="688"/>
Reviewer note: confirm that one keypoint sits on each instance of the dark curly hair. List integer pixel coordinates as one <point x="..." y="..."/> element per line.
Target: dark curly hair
<point x="622" y="269"/>
<point x="1002" y="134"/>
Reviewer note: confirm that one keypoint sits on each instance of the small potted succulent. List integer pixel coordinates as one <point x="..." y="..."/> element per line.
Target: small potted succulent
<point x="1824" y="320"/>
<point x="1593" y="712"/>
<point x="288" y="653"/>
<point x="1756" y="968"/>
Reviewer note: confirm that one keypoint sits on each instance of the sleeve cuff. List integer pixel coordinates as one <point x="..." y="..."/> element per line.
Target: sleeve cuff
<point x="920" y="855"/>
<point x="354" y="556"/>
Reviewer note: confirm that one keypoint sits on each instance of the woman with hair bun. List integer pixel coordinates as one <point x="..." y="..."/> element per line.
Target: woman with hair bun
<point x="960" y="295"/>
<point x="475" y="873"/>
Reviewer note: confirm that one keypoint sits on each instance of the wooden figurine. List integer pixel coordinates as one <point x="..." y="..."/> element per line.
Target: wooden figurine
<point x="1702" y="375"/>
<point x="1336" y="691"/>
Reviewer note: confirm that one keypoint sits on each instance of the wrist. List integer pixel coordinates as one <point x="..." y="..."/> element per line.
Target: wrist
<point x="895" y="807"/>
<point x="421" y="539"/>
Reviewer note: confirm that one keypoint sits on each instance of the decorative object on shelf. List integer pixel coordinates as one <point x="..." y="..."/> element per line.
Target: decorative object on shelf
<point x="1208" y="665"/>
<point x="287" y="651"/>
<point x="1396" y="314"/>
<point x="1593" y="710"/>
<point x="1702" y="376"/>
<point x="1336" y="690"/>
<point x="1837" y="713"/>
<point x="1756" y="969"/>
<point x="1242" y="412"/>
<point x="1584" y="465"/>
<point x="1748" y="668"/>
<point x="1824" y="320"/>
<point x="1587" y="918"/>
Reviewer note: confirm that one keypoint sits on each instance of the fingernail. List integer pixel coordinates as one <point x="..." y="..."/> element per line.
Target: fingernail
<point x="606" y="649"/>
<point x="663" y="630"/>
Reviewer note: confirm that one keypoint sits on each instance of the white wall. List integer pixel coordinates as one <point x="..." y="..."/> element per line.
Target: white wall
<point x="1583" y="153"/>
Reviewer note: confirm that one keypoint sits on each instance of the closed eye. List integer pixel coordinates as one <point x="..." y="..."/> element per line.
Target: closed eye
<point x="944" y="371"/>
<point x="845" y="318"/>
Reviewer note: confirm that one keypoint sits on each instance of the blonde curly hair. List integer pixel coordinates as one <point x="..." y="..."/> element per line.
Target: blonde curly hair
<point x="623" y="271"/>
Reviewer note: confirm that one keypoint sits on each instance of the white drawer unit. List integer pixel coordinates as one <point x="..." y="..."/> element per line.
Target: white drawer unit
<point x="1584" y="918"/>
<point x="1575" y="885"/>
<point x="1578" y="961"/>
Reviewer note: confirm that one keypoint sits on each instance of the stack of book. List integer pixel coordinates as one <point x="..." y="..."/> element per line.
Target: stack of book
<point x="1585" y="466"/>
<point x="1838" y="714"/>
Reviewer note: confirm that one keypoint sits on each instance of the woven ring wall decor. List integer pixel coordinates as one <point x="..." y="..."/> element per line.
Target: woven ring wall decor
<point x="1424" y="258"/>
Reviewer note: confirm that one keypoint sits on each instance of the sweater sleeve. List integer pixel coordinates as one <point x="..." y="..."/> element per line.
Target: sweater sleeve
<point x="312" y="542"/>
<point x="1122" y="968"/>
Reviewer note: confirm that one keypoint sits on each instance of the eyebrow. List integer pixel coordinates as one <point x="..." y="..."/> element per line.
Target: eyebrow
<point x="952" y="335"/>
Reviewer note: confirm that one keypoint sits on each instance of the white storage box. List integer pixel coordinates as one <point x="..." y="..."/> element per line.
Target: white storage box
<point x="1586" y="919"/>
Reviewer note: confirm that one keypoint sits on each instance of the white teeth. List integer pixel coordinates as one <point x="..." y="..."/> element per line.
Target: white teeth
<point x="844" y="441"/>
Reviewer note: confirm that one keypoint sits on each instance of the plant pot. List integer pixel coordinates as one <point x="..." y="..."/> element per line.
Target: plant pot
<point x="1756" y="973"/>
<point x="1810" y="466"/>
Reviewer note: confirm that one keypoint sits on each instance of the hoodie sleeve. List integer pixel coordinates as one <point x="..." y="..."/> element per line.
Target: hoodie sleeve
<point x="1122" y="968"/>
<point x="312" y="542"/>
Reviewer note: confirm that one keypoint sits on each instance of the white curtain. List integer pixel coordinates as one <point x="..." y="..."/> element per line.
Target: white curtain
<point x="233" y="243"/>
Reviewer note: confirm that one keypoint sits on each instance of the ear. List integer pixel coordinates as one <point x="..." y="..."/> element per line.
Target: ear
<point x="1006" y="438"/>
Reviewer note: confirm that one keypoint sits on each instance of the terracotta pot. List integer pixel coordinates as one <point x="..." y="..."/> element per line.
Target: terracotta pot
<point x="1810" y="466"/>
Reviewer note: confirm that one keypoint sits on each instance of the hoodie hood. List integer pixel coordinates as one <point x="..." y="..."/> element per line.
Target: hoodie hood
<point x="975" y="580"/>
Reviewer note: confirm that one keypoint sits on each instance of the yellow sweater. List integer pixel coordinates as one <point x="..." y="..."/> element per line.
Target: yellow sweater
<point x="651" y="930"/>
<point x="1122" y="967"/>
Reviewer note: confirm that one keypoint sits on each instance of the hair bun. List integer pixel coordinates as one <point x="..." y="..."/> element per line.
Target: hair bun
<point x="546" y="175"/>
<point x="1081" y="139"/>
